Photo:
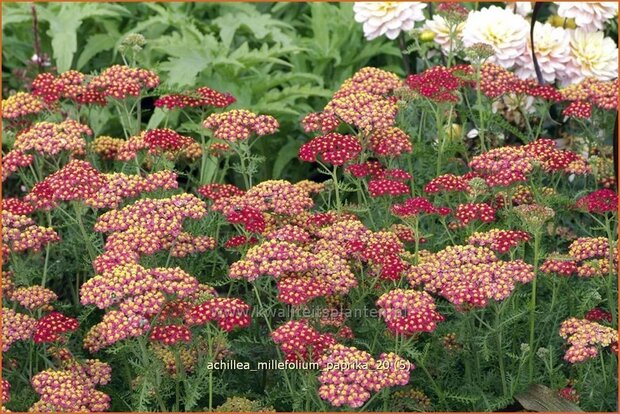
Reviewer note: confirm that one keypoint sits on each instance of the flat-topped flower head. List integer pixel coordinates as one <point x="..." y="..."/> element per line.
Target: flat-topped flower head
<point x="201" y="97"/>
<point x="320" y="121"/>
<point x="13" y="161"/>
<point x="438" y="84"/>
<point x="363" y="110"/>
<point x="413" y="207"/>
<point x="386" y="187"/>
<point x="228" y="313"/>
<point x="72" y="388"/>
<point x="585" y="338"/>
<point x="599" y="202"/>
<point x="469" y="276"/>
<point x="217" y="191"/>
<point x="500" y="241"/>
<point x="332" y="148"/>
<point x="16" y="327"/>
<point x="33" y="297"/>
<point x="372" y="80"/>
<point x="78" y="180"/>
<point x="240" y="124"/>
<point x="447" y="183"/>
<point x="120" y="82"/>
<point x="408" y="312"/>
<point x="20" y="233"/>
<point x="300" y="342"/>
<point x="170" y="334"/>
<point x="20" y="105"/>
<point x="469" y="212"/>
<point x="390" y="142"/>
<point x="48" y="138"/>
<point x="51" y="326"/>
<point x="349" y="375"/>
<point x="559" y="265"/>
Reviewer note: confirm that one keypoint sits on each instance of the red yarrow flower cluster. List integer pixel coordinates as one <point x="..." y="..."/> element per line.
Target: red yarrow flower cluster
<point x="171" y="334"/>
<point x="71" y="85"/>
<point x="78" y="180"/>
<point x="602" y="94"/>
<point x="300" y="342"/>
<point x="217" y="191"/>
<point x="559" y="265"/>
<point x="51" y="326"/>
<point x="228" y="313"/>
<point x="598" y="315"/>
<point x="387" y="187"/>
<point x="446" y="183"/>
<point x="408" y="312"/>
<point x="333" y="148"/>
<point x="118" y="187"/>
<point x="415" y="206"/>
<point x="13" y="161"/>
<point x="437" y="84"/>
<point x="201" y="97"/>
<point x="599" y="202"/>
<point x="467" y="213"/>
<point x="320" y="121"/>
<point x="500" y="241"/>
<point x="31" y="297"/>
<point x="372" y="80"/>
<point x="272" y="196"/>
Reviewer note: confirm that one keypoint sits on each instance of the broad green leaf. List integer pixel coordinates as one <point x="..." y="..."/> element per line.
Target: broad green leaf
<point x="15" y="13"/>
<point x="65" y="20"/>
<point x="158" y="116"/>
<point x="286" y="154"/>
<point x="96" y="44"/>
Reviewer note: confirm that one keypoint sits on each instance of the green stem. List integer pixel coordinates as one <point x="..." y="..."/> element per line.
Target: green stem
<point x="500" y="353"/>
<point x="532" y="318"/>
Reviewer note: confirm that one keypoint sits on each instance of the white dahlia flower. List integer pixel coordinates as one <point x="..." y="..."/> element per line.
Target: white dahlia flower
<point x="388" y="18"/>
<point x="591" y="55"/>
<point x="589" y="16"/>
<point x="441" y="29"/>
<point x="551" y="45"/>
<point x="506" y="32"/>
<point x="519" y="7"/>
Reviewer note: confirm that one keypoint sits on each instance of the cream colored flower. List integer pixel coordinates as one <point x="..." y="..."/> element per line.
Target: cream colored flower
<point x="440" y="27"/>
<point x="590" y="16"/>
<point x="503" y="30"/>
<point x="388" y="18"/>
<point x="519" y="7"/>
<point x="552" y="52"/>
<point x="591" y="55"/>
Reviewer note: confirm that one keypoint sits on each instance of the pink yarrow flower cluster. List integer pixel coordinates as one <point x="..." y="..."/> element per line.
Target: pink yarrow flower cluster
<point x="349" y="376"/>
